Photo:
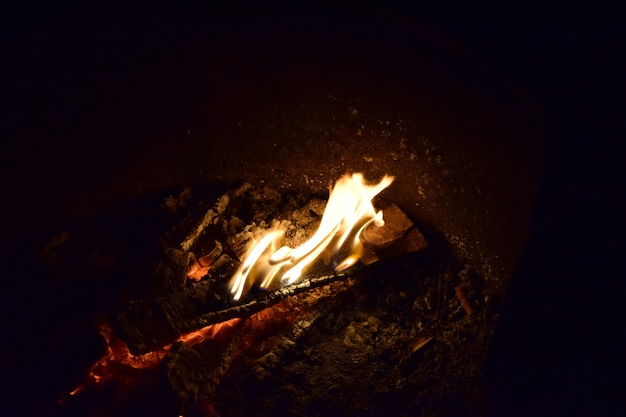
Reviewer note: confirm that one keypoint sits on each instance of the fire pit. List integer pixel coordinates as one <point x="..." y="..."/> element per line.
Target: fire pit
<point x="400" y="328"/>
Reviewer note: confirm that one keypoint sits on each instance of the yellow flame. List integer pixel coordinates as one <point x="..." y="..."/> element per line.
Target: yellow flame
<point x="348" y="212"/>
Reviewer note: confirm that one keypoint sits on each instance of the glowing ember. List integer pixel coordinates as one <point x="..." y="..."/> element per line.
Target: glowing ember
<point x="120" y="366"/>
<point x="201" y="267"/>
<point x="348" y="212"/>
<point x="210" y="332"/>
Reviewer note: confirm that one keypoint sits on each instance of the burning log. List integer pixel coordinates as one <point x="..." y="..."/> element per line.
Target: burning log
<point x="269" y="362"/>
<point x="190" y="247"/>
<point x="349" y="224"/>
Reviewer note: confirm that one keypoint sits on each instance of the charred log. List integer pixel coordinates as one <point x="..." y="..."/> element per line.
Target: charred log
<point x="146" y="325"/>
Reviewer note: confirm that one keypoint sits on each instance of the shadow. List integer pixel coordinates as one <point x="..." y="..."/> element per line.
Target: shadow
<point x="557" y="349"/>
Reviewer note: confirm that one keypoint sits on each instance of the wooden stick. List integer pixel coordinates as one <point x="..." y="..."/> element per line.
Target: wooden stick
<point x="147" y="325"/>
<point x="260" y="303"/>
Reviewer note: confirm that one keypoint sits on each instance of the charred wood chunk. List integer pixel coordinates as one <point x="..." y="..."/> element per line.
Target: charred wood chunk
<point x="144" y="328"/>
<point x="398" y="236"/>
<point x="147" y="325"/>
<point x="171" y="271"/>
<point x="193" y="373"/>
<point x="396" y="225"/>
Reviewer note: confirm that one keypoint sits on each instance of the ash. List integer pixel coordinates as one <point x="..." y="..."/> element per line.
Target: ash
<point x="392" y="340"/>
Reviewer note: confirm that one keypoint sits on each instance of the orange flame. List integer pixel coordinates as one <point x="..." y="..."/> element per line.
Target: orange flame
<point x="348" y="212"/>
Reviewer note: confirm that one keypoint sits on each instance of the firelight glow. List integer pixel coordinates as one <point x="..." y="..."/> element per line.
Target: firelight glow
<point x="348" y="212"/>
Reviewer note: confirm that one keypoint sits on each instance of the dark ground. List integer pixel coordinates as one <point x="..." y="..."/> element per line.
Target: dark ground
<point x="558" y="349"/>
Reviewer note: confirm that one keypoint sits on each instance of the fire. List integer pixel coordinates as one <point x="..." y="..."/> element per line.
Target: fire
<point x="348" y="212"/>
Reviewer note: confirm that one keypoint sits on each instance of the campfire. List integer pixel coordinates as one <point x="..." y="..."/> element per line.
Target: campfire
<point x="306" y="300"/>
<point x="216" y="280"/>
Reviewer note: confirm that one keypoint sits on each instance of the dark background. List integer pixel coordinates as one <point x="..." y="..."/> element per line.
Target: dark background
<point x="559" y="347"/>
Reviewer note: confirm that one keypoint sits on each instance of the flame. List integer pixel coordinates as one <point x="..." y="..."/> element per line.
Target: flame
<point x="348" y="212"/>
